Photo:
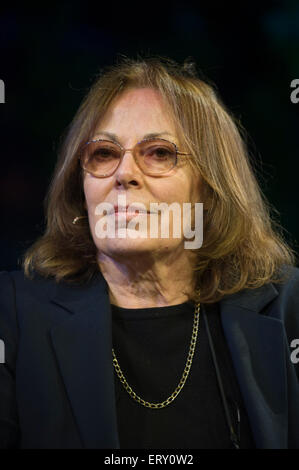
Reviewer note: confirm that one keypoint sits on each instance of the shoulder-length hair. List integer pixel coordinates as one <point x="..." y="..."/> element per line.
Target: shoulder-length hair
<point x="243" y="246"/>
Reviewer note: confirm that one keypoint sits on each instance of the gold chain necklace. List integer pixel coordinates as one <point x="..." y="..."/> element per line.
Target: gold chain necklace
<point x="183" y="378"/>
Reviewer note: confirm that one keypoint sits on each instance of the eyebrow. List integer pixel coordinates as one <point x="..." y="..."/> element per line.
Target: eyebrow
<point x="114" y="137"/>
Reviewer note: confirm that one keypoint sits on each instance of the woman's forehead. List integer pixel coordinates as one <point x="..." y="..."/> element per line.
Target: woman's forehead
<point x="145" y="103"/>
<point x="140" y="113"/>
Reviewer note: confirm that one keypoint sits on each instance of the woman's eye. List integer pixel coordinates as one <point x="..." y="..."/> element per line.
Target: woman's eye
<point x="104" y="154"/>
<point x="161" y="153"/>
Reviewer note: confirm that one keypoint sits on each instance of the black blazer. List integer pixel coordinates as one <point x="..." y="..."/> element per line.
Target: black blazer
<point x="57" y="381"/>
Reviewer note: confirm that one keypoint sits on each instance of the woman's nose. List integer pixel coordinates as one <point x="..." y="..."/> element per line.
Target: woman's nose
<point x="128" y="169"/>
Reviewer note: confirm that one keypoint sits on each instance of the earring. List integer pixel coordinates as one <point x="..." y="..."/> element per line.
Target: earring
<point x="78" y="218"/>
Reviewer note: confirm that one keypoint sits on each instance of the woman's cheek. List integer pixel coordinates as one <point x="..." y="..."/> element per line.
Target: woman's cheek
<point x="93" y="192"/>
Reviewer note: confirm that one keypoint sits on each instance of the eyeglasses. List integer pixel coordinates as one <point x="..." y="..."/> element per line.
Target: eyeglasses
<point x="101" y="158"/>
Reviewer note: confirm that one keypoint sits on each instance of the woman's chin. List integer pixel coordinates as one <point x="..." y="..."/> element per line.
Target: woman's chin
<point x="129" y="245"/>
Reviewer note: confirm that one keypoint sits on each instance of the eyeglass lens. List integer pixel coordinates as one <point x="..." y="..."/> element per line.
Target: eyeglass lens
<point x="101" y="157"/>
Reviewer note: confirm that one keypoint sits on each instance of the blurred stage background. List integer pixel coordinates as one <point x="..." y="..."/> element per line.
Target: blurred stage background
<point x="51" y="55"/>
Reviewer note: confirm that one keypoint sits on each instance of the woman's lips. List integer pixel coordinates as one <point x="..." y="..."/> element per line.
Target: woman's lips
<point x="128" y="215"/>
<point x="135" y="210"/>
<point x="130" y="208"/>
<point x="128" y="212"/>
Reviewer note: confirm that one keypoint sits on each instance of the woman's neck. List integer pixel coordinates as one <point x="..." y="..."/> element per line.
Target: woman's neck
<point x="146" y="281"/>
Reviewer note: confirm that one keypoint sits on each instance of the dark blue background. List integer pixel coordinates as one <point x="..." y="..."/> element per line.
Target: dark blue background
<point x="51" y="54"/>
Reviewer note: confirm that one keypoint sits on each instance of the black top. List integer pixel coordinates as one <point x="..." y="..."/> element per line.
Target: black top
<point x="151" y="346"/>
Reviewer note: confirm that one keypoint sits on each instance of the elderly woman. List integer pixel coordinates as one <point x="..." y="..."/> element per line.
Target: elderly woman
<point x="119" y="336"/>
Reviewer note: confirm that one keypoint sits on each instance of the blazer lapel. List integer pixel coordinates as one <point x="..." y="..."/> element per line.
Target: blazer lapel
<point x="83" y="346"/>
<point x="256" y="342"/>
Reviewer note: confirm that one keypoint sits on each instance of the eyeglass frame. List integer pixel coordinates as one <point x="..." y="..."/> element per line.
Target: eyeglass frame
<point x="150" y="139"/>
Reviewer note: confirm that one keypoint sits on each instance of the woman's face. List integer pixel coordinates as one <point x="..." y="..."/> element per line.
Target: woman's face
<point x="131" y="116"/>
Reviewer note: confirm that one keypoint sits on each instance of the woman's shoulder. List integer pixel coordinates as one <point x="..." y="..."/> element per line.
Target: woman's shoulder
<point x="290" y="274"/>
<point x="285" y="285"/>
<point x="20" y="299"/>
<point x="31" y="306"/>
<point x="19" y="289"/>
<point x="288" y="287"/>
<point x="16" y="282"/>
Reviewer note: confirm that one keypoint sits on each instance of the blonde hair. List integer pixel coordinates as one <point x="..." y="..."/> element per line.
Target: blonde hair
<point x="242" y="246"/>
